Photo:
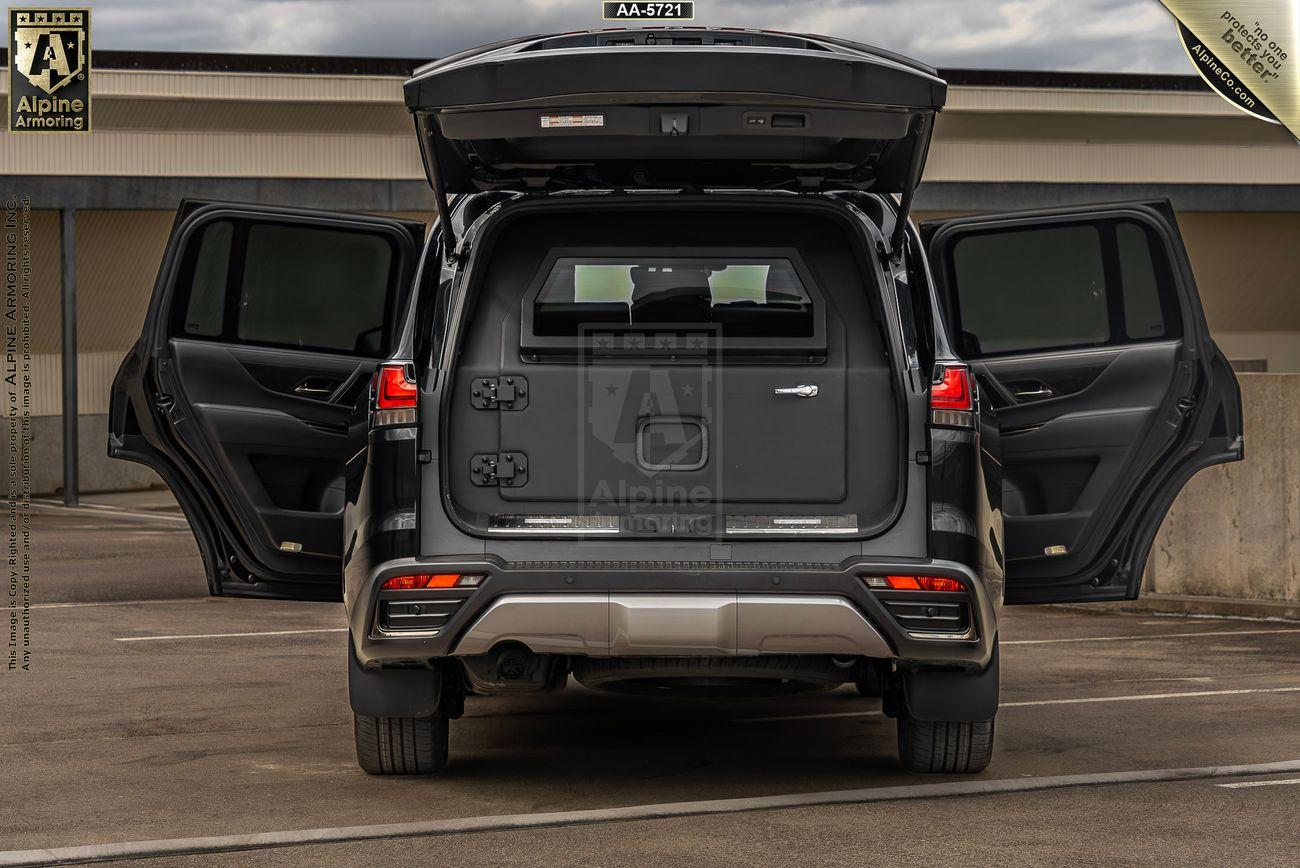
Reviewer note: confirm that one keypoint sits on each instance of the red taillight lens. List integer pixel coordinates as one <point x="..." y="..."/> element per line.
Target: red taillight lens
<point x="419" y="581"/>
<point x="951" y="389"/>
<point x="394" y="390"/>
<point x="914" y="583"/>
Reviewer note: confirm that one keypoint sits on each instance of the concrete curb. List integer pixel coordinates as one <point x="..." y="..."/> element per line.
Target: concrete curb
<point x="1187" y="604"/>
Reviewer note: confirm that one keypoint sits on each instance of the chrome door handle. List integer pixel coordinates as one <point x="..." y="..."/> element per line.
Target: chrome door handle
<point x="802" y="391"/>
<point x="304" y="389"/>
<point x="1040" y="392"/>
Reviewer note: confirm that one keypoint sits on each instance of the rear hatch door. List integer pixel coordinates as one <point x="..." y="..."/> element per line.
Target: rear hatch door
<point x="675" y="107"/>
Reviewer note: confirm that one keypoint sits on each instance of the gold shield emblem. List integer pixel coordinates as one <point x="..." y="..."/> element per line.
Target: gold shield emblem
<point x="49" y="46"/>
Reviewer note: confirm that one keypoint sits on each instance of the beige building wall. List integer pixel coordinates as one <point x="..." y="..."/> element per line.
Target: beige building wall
<point x="230" y="124"/>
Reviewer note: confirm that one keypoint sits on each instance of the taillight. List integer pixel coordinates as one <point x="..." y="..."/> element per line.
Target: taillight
<point x="914" y="583"/>
<point x="952" y="395"/>
<point x="396" y="395"/>
<point x="951" y="388"/>
<point x="421" y="581"/>
<point x="395" y="388"/>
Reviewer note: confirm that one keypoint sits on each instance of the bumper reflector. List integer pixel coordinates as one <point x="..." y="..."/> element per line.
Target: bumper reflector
<point x="419" y="581"/>
<point x="914" y="583"/>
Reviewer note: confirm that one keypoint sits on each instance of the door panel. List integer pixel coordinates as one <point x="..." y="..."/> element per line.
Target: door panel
<point x="1063" y="453"/>
<point x="281" y="454"/>
<point x="248" y="384"/>
<point x="1086" y="336"/>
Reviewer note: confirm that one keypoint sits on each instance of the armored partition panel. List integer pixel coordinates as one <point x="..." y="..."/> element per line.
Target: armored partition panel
<point x="711" y="394"/>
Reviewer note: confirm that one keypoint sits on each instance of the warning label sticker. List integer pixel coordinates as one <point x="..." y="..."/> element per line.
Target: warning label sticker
<point x="556" y="122"/>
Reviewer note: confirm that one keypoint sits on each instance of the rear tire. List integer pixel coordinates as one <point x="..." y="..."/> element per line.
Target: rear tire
<point x="944" y="747"/>
<point x="401" y="745"/>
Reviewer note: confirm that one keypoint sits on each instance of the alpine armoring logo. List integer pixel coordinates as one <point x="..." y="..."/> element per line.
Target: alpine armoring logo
<point x="49" y="81"/>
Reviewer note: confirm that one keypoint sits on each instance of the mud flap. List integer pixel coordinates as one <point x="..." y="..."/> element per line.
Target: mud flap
<point x="953" y="696"/>
<point x="392" y="692"/>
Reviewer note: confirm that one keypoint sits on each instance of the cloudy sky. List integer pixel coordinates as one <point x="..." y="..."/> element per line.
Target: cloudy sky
<point x="1113" y="35"/>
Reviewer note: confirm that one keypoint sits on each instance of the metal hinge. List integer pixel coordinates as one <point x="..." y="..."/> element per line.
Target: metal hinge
<point x="499" y="393"/>
<point x="460" y="255"/>
<point x="503" y="469"/>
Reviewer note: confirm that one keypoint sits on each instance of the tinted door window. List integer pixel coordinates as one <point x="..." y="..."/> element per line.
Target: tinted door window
<point x="1143" y="316"/>
<point x="285" y="285"/>
<point x="1061" y="287"/>
<point x="205" y="309"/>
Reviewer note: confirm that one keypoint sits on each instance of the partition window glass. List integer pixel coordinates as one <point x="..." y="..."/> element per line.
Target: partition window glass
<point x="742" y="297"/>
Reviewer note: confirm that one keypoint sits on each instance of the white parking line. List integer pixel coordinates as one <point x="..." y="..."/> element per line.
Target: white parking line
<point x="1146" y="638"/>
<point x="1241" y="785"/>
<point x="227" y="635"/>
<point x="108" y="511"/>
<point x="1081" y="700"/>
<point x="670" y="810"/>
<point x="88" y="605"/>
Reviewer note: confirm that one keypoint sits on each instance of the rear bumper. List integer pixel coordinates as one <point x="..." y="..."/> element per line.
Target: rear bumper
<point x="599" y="609"/>
<point x="674" y="625"/>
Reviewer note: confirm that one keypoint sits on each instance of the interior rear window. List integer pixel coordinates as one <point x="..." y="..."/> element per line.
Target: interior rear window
<point x="740" y="297"/>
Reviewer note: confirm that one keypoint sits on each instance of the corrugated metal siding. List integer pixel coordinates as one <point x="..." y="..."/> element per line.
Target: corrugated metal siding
<point x="1085" y="101"/>
<point x="94" y="377"/>
<point x="223" y="155"/>
<point x="251" y="86"/>
<point x="118" y="254"/>
<point x="1047" y="160"/>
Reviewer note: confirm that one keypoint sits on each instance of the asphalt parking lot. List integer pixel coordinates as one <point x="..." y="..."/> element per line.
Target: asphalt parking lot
<point x="156" y="713"/>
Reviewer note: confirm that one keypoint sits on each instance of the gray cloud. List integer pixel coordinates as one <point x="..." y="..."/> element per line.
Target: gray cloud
<point x="1112" y="35"/>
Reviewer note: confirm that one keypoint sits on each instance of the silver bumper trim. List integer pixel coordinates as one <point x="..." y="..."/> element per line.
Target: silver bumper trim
<point x="675" y="625"/>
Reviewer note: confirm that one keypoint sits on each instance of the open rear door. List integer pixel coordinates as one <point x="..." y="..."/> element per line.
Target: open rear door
<point x="1087" y="337"/>
<point x="262" y="336"/>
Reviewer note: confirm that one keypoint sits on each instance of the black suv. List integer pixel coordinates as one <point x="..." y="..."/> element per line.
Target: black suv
<point x="673" y="396"/>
